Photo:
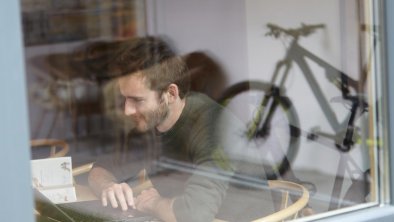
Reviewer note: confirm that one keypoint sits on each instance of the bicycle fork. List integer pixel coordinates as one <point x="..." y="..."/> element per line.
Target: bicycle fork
<point x="260" y="124"/>
<point x="261" y="116"/>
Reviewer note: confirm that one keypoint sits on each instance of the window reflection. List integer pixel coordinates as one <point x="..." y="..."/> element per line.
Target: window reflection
<point x="166" y="114"/>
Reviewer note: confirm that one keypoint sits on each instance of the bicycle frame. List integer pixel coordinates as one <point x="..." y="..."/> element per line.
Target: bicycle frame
<point x="343" y="82"/>
<point x="259" y="127"/>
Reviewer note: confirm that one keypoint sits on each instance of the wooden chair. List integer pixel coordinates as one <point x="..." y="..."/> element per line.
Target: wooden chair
<point x="59" y="148"/>
<point x="288" y="211"/>
<point x="53" y="144"/>
<point x="61" y="88"/>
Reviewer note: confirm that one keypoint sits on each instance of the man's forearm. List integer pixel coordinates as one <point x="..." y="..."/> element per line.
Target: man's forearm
<point x="99" y="179"/>
<point x="164" y="210"/>
<point x="151" y="202"/>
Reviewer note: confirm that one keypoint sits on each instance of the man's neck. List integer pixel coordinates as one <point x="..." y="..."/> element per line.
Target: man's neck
<point x="175" y="111"/>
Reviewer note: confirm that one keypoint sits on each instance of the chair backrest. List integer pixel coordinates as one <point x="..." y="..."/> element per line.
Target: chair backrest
<point x="53" y="144"/>
<point x="206" y="74"/>
<point x="288" y="210"/>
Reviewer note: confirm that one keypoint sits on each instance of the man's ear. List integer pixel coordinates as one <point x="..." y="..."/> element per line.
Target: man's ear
<point x="172" y="92"/>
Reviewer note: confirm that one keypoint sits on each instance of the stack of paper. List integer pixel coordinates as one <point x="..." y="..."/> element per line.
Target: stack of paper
<point x="53" y="177"/>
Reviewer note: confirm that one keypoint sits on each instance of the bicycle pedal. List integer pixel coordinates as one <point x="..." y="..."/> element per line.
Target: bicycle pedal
<point x="312" y="136"/>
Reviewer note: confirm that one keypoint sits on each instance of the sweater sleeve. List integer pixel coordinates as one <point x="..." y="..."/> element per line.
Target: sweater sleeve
<point x="206" y="188"/>
<point x="201" y="200"/>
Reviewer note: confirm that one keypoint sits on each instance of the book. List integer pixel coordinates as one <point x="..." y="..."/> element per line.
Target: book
<point x="53" y="178"/>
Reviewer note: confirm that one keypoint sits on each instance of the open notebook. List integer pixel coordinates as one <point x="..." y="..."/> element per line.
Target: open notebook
<point x="53" y="178"/>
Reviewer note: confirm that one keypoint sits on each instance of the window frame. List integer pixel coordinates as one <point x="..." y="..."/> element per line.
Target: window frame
<point x="14" y="127"/>
<point x="15" y="189"/>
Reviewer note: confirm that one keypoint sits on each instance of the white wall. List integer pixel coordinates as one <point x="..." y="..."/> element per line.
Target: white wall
<point x="234" y="32"/>
<point x="337" y="44"/>
<point x="217" y="26"/>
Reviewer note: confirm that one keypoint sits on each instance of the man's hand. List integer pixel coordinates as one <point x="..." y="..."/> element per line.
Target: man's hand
<point x="147" y="201"/>
<point x="150" y="201"/>
<point x="118" y="194"/>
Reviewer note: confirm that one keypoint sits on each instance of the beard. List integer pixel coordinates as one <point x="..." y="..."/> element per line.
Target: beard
<point x="150" y="119"/>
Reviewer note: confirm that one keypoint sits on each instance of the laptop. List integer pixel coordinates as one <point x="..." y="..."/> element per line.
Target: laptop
<point x="86" y="211"/>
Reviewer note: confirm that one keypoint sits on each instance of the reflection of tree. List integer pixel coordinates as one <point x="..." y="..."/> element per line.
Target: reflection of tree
<point x="74" y="83"/>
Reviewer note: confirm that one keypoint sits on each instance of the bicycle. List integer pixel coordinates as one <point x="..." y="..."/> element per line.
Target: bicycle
<point x="272" y="128"/>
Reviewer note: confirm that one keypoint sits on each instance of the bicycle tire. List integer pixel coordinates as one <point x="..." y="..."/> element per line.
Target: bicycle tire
<point x="272" y="170"/>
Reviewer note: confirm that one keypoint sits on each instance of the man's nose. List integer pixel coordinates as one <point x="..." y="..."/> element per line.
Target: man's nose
<point x="129" y="109"/>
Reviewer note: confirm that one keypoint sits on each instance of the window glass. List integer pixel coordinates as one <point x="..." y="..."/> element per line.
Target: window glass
<point x="203" y="110"/>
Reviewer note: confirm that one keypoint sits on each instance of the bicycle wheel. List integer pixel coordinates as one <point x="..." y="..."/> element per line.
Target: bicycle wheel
<point x="269" y="154"/>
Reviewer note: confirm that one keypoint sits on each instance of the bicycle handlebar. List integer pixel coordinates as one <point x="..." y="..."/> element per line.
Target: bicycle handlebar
<point x="304" y="30"/>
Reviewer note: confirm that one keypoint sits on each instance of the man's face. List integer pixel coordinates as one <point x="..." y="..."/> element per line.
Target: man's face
<point x="142" y="104"/>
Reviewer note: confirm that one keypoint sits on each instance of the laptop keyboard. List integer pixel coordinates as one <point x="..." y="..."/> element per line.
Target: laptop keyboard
<point x="84" y="217"/>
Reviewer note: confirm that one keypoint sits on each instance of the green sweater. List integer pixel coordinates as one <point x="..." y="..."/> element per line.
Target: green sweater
<point x="193" y="146"/>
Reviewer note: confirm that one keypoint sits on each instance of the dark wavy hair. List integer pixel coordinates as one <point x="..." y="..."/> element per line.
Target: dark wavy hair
<point x="152" y="57"/>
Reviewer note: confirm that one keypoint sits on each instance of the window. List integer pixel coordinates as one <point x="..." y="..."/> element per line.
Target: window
<point x="331" y="133"/>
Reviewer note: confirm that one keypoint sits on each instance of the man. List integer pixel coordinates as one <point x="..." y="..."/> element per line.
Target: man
<point x="182" y="128"/>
